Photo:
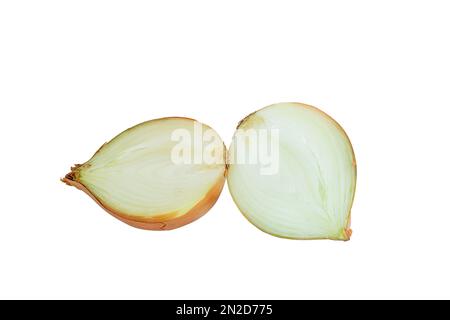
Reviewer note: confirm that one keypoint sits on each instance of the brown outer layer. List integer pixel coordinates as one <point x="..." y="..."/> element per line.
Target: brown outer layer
<point x="165" y="221"/>
<point x="347" y="232"/>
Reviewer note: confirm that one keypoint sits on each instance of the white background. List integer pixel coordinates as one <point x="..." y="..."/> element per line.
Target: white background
<point x="74" y="74"/>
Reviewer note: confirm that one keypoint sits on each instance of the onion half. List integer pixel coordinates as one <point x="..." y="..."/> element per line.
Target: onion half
<point x="134" y="176"/>
<point x="306" y="190"/>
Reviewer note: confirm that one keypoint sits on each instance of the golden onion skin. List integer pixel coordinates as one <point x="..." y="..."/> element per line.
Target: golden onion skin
<point x="164" y="222"/>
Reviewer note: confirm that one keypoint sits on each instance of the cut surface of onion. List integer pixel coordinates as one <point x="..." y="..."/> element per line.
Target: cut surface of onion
<point x="308" y="191"/>
<point x="135" y="178"/>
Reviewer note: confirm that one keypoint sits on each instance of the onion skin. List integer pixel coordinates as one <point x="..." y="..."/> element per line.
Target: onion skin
<point x="347" y="231"/>
<point x="165" y="221"/>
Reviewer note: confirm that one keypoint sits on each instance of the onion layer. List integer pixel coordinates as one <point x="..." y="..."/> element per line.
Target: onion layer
<point x="135" y="178"/>
<point x="306" y="190"/>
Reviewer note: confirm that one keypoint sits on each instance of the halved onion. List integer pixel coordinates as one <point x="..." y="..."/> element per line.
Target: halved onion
<point x="136" y="178"/>
<point x="303" y="183"/>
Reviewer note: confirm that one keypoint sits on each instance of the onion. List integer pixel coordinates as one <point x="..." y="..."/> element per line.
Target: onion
<point x="302" y="184"/>
<point x="291" y="170"/>
<point x="142" y="178"/>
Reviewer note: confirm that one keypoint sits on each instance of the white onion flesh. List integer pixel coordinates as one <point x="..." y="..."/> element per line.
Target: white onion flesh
<point x="134" y="177"/>
<point x="311" y="195"/>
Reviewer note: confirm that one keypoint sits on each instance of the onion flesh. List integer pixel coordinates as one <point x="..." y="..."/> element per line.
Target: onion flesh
<point x="310" y="194"/>
<point x="134" y="177"/>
